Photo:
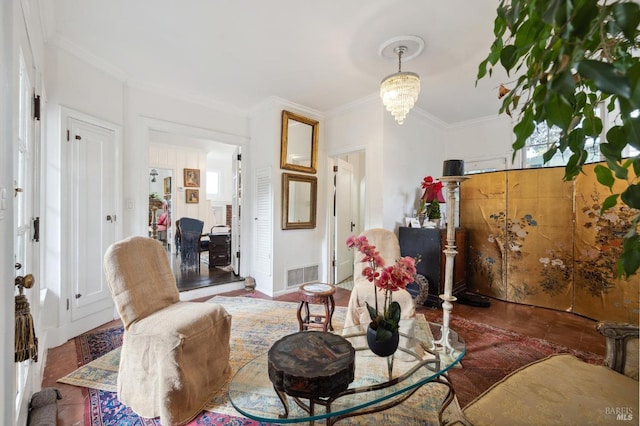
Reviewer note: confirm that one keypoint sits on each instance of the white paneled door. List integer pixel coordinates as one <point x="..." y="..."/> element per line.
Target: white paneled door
<point x="25" y="240"/>
<point x="236" y="201"/>
<point x="91" y="222"/>
<point x="344" y="220"/>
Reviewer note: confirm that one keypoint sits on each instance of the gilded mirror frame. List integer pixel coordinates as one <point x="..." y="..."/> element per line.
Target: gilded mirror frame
<point x="287" y="222"/>
<point x="286" y="143"/>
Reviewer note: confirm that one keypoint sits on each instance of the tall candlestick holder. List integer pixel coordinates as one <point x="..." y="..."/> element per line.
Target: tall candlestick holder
<point x="452" y="184"/>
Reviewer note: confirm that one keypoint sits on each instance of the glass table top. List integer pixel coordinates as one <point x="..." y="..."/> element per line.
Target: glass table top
<point x="378" y="380"/>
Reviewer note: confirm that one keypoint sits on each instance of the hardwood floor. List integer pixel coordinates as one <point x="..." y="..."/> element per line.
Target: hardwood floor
<point x="560" y="327"/>
<point x="192" y="279"/>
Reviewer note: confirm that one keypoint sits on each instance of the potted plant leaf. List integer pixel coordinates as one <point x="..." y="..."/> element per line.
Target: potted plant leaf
<point x="565" y="60"/>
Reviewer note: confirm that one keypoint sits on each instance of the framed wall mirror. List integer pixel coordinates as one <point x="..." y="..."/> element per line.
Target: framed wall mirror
<point x="299" y="143"/>
<point x="299" y="201"/>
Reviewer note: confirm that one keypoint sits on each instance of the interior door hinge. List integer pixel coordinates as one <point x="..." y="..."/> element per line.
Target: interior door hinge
<point x="239" y="157"/>
<point x="68" y="305"/>
<point x="76" y="137"/>
<point x="36" y="107"/>
<point x="36" y="229"/>
<point x="335" y="169"/>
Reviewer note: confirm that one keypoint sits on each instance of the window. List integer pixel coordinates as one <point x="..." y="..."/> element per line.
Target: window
<point x="213" y="183"/>
<point x="544" y="138"/>
<point x="485" y="165"/>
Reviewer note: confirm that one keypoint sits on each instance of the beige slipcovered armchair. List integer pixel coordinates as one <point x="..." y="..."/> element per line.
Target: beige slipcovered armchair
<point x="363" y="291"/>
<point x="175" y="355"/>
<point x="563" y="390"/>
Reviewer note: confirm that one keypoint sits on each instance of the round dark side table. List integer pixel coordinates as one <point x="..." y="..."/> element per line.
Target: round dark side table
<point x="310" y="365"/>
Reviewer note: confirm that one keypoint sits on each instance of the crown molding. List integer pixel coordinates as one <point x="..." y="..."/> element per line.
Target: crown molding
<point x="480" y="120"/>
<point x="275" y="101"/>
<point x="87" y="56"/>
<point x="432" y="119"/>
<point x="192" y="98"/>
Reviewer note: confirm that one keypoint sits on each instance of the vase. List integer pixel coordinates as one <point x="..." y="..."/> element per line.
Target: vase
<point x="386" y="348"/>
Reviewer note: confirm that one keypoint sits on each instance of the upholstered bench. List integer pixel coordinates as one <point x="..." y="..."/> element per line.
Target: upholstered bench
<point x="563" y="390"/>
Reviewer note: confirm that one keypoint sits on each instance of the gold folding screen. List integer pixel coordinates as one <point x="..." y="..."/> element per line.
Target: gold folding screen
<point x="537" y="240"/>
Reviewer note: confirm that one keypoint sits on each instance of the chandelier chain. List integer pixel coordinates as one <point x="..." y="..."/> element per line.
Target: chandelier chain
<point x="400" y="50"/>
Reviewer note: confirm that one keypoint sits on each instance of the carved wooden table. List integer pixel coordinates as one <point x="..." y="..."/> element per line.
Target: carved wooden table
<point x="310" y="365"/>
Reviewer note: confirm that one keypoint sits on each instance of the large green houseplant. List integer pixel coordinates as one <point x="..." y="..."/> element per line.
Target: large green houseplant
<point x="567" y="58"/>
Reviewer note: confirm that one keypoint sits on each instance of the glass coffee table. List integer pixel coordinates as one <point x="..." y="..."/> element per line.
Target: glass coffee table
<point x="379" y="383"/>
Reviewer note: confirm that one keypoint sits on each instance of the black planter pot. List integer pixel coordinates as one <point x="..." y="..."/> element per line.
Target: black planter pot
<point x="385" y="348"/>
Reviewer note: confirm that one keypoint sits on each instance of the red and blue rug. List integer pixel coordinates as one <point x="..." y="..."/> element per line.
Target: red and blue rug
<point x="492" y="353"/>
<point x="104" y="408"/>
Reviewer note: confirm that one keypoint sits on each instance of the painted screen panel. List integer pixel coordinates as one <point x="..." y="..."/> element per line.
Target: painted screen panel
<point x="483" y="202"/>
<point x="599" y="292"/>
<point x="539" y="238"/>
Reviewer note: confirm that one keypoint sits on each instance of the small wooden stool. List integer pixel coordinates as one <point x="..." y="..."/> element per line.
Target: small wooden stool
<point x="316" y="293"/>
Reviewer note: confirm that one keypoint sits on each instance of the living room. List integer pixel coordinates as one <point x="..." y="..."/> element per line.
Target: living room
<point x="77" y="83"/>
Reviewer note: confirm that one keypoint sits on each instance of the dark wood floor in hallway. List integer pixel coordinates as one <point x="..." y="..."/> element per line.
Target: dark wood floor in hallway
<point x="560" y="327"/>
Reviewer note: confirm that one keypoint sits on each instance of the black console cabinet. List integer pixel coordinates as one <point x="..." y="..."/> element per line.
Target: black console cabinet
<point x="428" y="243"/>
<point x="219" y="250"/>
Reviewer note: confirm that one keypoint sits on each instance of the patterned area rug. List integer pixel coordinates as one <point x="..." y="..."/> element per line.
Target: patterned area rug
<point x="256" y="325"/>
<point x="493" y="352"/>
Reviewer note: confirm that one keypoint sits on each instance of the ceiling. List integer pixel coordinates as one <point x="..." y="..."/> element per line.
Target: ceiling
<point x="322" y="54"/>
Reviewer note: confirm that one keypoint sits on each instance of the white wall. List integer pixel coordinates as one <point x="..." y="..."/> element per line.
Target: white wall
<point x="482" y="139"/>
<point x="74" y="84"/>
<point x="359" y="127"/>
<point x="397" y="157"/>
<point x="411" y="151"/>
<point x="297" y="248"/>
<point x="265" y="128"/>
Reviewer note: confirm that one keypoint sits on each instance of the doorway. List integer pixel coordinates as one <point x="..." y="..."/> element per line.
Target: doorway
<point x="348" y="212"/>
<point x="174" y="149"/>
<point x="160" y="207"/>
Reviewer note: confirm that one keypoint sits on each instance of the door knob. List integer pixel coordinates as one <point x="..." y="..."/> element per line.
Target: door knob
<point x="26" y="281"/>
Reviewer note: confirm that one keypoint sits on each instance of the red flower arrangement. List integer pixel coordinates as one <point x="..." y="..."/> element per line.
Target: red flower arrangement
<point x="432" y="190"/>
<point x="388" y="279"/>
<point x="432" y="196"/>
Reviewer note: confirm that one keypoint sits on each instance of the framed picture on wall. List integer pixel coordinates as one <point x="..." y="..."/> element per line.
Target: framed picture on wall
<point x="192" y="178"/>
<point x="192" y="196"/>
<point x="167" y="185"/>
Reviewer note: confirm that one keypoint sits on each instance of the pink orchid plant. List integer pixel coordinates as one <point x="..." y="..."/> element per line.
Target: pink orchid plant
<point x="388" y="279"/>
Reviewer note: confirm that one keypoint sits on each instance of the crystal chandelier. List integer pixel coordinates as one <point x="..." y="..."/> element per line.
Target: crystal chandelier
<point x="399" y="91"/>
